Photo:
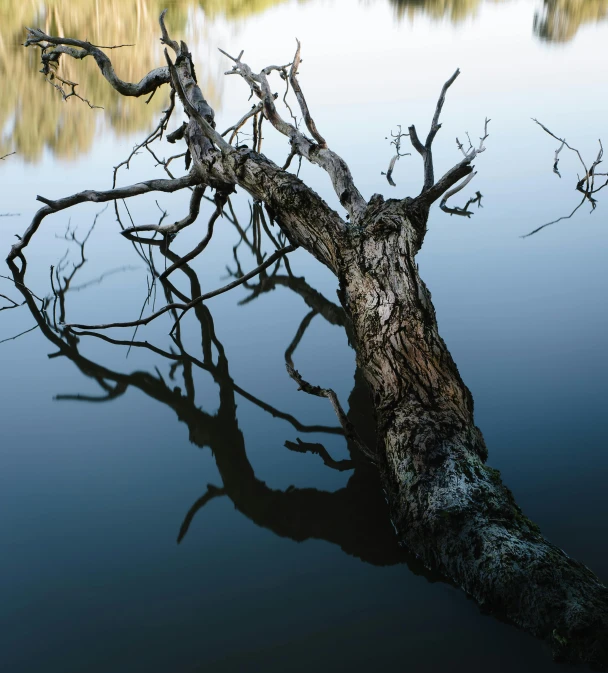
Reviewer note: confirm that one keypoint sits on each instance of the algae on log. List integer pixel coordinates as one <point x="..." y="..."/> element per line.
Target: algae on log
<point x="448" y="507"/>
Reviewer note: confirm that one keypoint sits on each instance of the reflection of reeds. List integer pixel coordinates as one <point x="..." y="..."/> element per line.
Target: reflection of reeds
<point x="560" y="20"/>
<point x="33" y="117"/>
<point x="454" y="10"/>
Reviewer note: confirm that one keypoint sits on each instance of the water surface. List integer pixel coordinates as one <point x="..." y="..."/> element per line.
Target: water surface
<point x="117" y="554"/>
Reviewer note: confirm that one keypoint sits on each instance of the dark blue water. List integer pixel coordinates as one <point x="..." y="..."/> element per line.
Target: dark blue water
<point x="168" y="528"/>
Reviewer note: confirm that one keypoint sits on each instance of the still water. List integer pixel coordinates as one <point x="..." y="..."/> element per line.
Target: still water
<point x="153" y="518"/>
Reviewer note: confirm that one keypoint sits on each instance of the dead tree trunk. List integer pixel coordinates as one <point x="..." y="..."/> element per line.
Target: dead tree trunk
<point x="449" y="508"/>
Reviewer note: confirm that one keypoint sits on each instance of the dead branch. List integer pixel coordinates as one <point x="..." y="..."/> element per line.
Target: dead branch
<point x="333" y="164"/>
<point x="457" y="172"/>
<point x="432" y="190"/>
<point x="559" y="219"/>
<point x="13" y="338"/>
<point x="256" y="109"/>
<point x="98" y="197"/>
<point x="425" y="150"/>
<point x="194" y="302"/>
<point x="13" y="303"/>
<point x="585" y="185"/>
<point x="205" y="124"/>
<point x="59" y="83"/>
<point x="170" y="230"/>
<point x="349" y="429"/>
<point x="318" y="449"/>
<point x="295" y="85"/>
<point x="563" y="141"/>
<point x="460" y="211"/>
<point x="221" y="199"/>
<point x="10" y="154"/>
<point x="156" y="134"/>
<point x="396" y="141"/>
<point x="53" y="48"/>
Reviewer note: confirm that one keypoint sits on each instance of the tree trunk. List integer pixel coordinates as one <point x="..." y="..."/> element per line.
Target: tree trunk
<point x="450" y="509"/>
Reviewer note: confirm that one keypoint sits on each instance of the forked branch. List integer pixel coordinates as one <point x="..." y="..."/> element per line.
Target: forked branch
<point x="315" y="151"/>
<point x="586" y="183"/>
<point x="349" y="429"/>
<point x="431" y="190"/>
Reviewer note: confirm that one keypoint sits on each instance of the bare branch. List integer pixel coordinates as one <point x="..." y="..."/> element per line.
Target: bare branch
<point x="295" y="85"/>
<point x="396" y="141"/>
<point x="157" y="133"/>
<point x="98" y="197"/>
<point x="321" y="451"/>
<point x="221" y="199"/>
<point x="52" y="78"/>
<point x="563" y="141"/>
<point x="559" y="219"/>
<point x="349" y="429"/>
<point x="165" y="39"/>
<point x="176" y="227"/>
<point x="10" y="154"/>
<point x="451" y="192"/>
<point x="197" y="300"/>
<point x="333" y="164"/>
<point x="27" y="331"/>
<point x="79" y="49"/>
<point x="205" y="126"/>
<point x="435" y="125"/>
<point x="13" y="303"/>
<point x="556" y="159"/>
<point x="425" y="150"/>
<point x="457" y="172"/>
<point x="586" y="184"/>
<point x="241" y="122"/>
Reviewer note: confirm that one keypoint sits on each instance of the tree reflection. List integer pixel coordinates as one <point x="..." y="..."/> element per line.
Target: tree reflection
<point x="354" y="517"/>
<point x="33" y="117"/>
<point x="454" y="10"/>
<point x="560" y="20"/>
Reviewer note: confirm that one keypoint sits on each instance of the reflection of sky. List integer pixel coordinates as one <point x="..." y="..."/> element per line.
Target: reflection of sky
<point x="95" y="494"/>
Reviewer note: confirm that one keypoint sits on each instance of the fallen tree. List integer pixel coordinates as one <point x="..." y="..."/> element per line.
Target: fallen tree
<point x="449" y="508"/>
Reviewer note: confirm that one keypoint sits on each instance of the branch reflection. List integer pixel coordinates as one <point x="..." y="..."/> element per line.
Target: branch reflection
<point x="354" y="517"/>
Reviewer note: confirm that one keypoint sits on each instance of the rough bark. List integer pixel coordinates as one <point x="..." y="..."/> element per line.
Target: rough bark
<point x="448" y="507"/>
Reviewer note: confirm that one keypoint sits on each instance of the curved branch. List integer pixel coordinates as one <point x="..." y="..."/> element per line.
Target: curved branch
<point x="220" y="202"/>
<point x="98" y="197"/>
<point x="80" y="49"/>
<point x="172" y="229"/>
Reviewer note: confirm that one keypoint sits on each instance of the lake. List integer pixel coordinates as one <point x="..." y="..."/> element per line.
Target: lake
<point x="159" y="513"/>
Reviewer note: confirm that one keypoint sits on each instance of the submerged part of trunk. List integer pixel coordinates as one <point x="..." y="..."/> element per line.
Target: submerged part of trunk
<point x="448" y="507"/>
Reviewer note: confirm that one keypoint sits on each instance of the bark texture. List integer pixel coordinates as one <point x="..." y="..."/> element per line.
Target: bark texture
<point x="449" y="508"/>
